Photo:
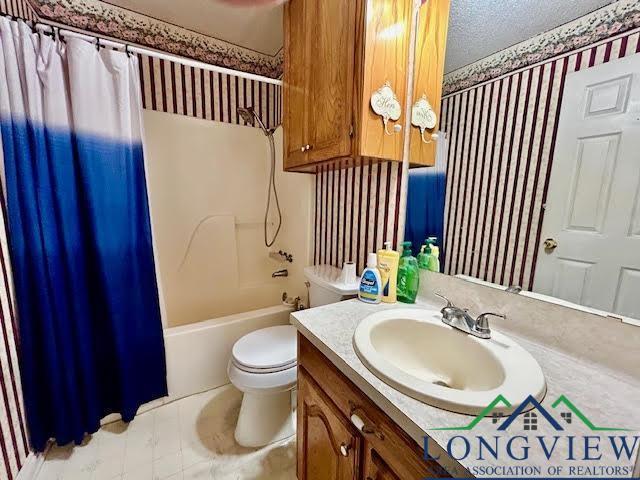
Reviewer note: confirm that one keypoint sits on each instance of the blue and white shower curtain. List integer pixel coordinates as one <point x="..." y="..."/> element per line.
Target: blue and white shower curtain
<point x="426" y="201"/>
<point x="79" y="233"/>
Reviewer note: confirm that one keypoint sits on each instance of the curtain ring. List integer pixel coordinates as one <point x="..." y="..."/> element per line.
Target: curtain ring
<point x="126" y="50"/>
<point x="97" y="44"/>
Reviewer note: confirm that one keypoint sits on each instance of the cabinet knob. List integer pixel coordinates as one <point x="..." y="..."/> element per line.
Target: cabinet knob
<point x="344" y="449"/>
<point x="306" y="147"/>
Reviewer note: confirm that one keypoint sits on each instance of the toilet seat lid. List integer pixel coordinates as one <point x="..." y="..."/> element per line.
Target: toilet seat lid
<point x="267" y="348"/>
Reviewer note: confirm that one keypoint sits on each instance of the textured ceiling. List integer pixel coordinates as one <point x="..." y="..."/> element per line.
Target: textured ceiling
<point x="256" y="28"/>
<point x="479" y="28"/>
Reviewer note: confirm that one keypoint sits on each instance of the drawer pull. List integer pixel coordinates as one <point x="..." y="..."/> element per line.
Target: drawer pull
<point x="361" y="426"/>
<point x="344" y="449"/>
<point x="357" y="422"/>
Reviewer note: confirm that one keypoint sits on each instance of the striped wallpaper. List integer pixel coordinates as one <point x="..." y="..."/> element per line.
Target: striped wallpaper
<point x="13" y="436"/>
<point x="174" y="88"/>
<point x="502" y="136"/>
<point x="18" y="8"/>
<point x="357" y="209"/>
<point x="14" y="447"/>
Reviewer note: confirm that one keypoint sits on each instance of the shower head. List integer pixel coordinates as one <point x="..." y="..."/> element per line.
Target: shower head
<point x="249" y="115"/>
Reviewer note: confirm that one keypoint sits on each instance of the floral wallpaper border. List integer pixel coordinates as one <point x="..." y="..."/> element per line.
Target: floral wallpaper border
<point x="109" y="20"/>
<point x="618" y="17"/>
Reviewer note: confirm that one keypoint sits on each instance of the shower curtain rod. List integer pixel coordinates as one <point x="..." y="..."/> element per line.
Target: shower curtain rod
<point x="64" y="32"/>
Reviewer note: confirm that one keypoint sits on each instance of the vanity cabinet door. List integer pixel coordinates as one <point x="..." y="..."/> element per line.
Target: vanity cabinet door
<point x="329" y="447"/>
<point x="396" y="462"/>
<point x="375" y="468"/>
<point x="389" y="453"/>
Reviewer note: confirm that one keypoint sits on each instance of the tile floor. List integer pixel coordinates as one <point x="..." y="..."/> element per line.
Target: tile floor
<point x="191" y="439"/>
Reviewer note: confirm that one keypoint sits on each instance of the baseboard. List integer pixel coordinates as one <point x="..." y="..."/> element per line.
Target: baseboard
<point x="31" y="467"/>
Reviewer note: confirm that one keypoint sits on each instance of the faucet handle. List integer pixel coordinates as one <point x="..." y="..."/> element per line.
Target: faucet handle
<point x="482" y="323"/>
<point x="449" y="304"/>
<point x="492" y="314"/>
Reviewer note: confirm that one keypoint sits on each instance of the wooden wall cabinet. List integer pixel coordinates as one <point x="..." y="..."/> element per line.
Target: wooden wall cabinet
<point x="337" y="53"/>
<point x="330" y="446"/>
<point x="428" y="71"/>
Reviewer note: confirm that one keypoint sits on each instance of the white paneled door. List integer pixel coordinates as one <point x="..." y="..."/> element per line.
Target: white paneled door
<point x="590" y="248"/>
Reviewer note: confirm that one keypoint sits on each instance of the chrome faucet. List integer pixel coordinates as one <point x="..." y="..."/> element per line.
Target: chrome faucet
<point x="280" y="273"/>
<point x="460" y="319"/>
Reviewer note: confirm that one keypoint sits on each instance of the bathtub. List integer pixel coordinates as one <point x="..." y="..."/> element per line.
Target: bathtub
<point x="197" y="354"/>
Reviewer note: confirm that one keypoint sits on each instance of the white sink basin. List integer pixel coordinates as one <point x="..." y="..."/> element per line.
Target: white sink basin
<point x="416" y="353"/>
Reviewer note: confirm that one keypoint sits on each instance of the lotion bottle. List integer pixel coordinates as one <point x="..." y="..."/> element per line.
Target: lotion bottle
<point x="434" y="259"/>
<point x="388" y="267"/>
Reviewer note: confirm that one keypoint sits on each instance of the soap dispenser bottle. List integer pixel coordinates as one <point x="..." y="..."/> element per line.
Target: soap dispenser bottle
<point x="434" y="259"/>
<point x="408" y="275"/>
<point x="370" y="290"/>
<point x="423" y="256"/>
<point x="388" y="268"/>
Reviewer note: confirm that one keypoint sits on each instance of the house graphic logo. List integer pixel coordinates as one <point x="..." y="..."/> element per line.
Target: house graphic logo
<point x="561" y="452"/>
<point x="532" y="410"/>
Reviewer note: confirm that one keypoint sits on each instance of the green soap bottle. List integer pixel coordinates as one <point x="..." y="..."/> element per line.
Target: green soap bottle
<point x="408" y="275"/>
<point x="433" y="262"/>
<point x="423" y="257"/>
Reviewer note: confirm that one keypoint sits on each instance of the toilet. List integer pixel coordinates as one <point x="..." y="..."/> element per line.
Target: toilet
<point x="263" y="366"/>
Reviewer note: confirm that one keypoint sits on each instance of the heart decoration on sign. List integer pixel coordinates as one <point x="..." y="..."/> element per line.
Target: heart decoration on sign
<point x="423" y="117"/>
<point x="385" y="104"/>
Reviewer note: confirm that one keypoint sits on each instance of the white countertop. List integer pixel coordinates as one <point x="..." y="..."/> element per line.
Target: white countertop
<point x="606" y="397"/>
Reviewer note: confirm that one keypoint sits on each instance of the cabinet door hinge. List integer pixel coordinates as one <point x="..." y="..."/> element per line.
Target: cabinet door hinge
<point x="351" y="130"/>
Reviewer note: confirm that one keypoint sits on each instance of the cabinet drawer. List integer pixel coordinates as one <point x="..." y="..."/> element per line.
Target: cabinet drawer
<point x="400" y="451"/>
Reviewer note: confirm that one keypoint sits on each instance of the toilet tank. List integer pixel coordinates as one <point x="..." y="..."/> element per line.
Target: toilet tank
<point x="326" y="287"/>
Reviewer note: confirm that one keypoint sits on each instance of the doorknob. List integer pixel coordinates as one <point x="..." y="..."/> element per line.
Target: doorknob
<point x="550" y="245"/>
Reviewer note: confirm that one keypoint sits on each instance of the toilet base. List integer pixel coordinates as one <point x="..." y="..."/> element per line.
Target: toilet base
<point x="266" y="418"/>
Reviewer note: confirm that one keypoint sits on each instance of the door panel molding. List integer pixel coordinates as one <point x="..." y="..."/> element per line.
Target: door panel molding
<point x="595" y="164"/>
